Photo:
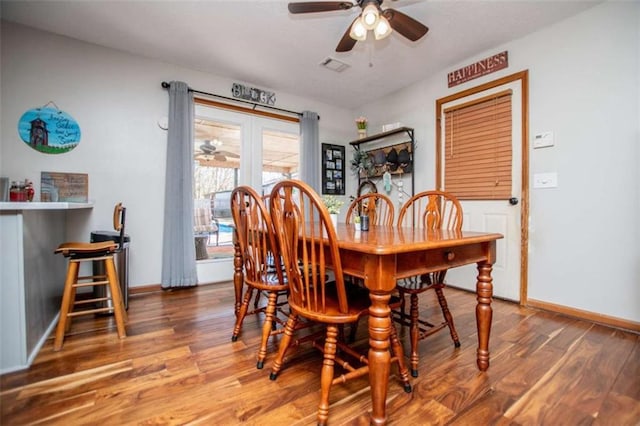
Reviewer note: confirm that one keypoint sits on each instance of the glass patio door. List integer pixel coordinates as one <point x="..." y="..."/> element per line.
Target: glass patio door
<point x="232" y="149"/>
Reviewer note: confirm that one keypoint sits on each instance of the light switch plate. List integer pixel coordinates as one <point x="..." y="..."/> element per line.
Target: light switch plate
<point x="545" y="180"/>
<point x="543" y="140"/>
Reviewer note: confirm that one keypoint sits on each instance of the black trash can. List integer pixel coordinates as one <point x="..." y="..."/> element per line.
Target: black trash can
<point x="121" y="259"/>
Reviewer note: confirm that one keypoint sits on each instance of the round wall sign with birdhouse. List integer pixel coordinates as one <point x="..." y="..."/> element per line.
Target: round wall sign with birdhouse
<point x="49" y="130"/>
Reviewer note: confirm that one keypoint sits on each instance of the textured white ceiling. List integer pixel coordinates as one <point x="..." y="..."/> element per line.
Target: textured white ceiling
<point x="260" y="43"/>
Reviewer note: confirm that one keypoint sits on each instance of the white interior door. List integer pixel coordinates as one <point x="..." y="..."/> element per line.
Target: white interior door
<point x="495" y="215"/>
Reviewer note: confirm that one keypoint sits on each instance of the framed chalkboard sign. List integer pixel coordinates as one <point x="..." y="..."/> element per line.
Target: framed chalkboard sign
<point x="67" y="187"/>
<point x="333" y="169"/>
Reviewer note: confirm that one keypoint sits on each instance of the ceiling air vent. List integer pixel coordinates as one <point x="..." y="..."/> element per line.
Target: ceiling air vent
<point x="334" y="64"/>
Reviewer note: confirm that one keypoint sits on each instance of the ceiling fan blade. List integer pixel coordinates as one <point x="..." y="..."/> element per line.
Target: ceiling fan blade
<point x="228" y="154"/>
<point x="405" y="25"/>
<point x="346" y="42"/>
<point x="318" y="6"/>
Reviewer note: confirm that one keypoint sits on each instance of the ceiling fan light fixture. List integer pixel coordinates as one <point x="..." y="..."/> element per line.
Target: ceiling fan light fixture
<point x="358" y="30"/>
<point x="382" y="29"/>
<point x="370" y="16"/>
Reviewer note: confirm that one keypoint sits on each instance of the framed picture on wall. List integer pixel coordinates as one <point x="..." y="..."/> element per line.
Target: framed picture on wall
<point x="333" y="169"/>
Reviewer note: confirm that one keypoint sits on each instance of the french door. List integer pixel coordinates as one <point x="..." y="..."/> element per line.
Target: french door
<point x="231" y="149"/>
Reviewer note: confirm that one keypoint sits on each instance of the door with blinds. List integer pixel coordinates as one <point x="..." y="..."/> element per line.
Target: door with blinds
<point x="480" y="161"/>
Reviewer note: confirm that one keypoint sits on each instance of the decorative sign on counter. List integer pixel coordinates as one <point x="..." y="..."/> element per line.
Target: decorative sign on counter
<point x="252" y="94"/>
<point x="49" y="130"/>
<point x="67" y="187"/>
<point x="483" y="67"/>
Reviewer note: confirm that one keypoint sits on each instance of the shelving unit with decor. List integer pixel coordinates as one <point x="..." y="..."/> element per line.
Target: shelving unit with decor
<point x="379" y="147"/>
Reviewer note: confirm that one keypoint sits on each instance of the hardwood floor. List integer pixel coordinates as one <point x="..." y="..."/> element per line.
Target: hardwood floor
<point x="179" y="366"/>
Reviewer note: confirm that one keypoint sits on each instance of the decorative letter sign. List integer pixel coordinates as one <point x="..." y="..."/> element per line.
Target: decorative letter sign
<point x="483" y="67"/>
<point x="252" y="94"/>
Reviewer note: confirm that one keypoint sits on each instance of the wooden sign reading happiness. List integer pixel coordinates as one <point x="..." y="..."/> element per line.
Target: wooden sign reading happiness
<point x="478" y="69"/>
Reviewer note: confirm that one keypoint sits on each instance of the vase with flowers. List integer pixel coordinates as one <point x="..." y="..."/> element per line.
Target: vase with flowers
<point x="361" y="123"/>
<point x="333" y="205"/>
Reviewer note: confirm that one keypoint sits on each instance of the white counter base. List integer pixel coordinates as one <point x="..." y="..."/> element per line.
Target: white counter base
<point x="31" y="278"/>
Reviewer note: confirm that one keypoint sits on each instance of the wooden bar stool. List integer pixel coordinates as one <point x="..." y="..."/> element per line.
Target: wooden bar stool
<point x="79" y="252"/>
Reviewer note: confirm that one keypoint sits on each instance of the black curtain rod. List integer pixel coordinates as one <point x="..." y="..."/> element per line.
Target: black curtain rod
<point x="165" y="85"/>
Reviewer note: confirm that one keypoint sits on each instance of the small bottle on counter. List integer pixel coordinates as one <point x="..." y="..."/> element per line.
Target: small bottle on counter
<point x="29" y="191"/>
<point x="13" y="191"/>
<point x="22" y="192"/>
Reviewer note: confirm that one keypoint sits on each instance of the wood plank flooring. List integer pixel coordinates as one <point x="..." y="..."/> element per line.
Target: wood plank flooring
<point x="178" y="366"/>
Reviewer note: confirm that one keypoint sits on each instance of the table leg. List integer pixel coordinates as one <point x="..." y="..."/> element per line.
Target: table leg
<point x="238" y="276"/>
<point x="379" y="356"/>
<point x="484" y="313"/>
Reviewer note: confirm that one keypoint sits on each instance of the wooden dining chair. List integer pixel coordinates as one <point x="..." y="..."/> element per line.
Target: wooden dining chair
<point x="309" y="248"/>
<point x="377" y="206"/>
<point x="381" y="211"/>
<point x="261" y="263"/>
<point x="429" y="210"/>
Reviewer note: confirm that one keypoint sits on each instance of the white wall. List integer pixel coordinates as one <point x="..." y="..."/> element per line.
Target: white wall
<point x="584" y="86"/>
<point x="584" y="246"/>
<point x="117" y="100"/>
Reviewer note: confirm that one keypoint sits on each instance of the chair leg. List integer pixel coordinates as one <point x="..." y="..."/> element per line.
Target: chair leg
<point x="415" y="335"/>
<point x="65" y="307"/>
<point x="326" y="376"/>
<point x="242" y="313"/>
<point x="284" y="345"/>
<point x="447" y="316"/>
<point x="403" y="313"/>
<point x="353" y="332"/>
<point x="396" y="346"/>
<point x="73" y="297"/>
<point x="256" y="301"/>
<point x="266" y="328"/>
<point x="119" y="312"/>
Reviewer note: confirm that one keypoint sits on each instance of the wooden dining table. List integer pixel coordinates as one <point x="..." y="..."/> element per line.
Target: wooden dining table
<point x="383" y="255"/>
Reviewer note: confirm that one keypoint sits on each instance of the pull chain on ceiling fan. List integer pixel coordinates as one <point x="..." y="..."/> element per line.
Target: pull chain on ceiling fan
<point x="372" y="18"/>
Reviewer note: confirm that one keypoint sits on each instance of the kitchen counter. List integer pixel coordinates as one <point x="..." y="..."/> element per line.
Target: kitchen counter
<point x="31" y="276"/>
<point x="12" y="205"/>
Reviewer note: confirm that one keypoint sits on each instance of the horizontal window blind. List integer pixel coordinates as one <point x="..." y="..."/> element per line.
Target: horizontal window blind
<point x="477" y="160"/>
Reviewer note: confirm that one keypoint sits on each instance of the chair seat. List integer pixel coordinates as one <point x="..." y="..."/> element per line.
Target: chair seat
<point x="82" y="249"/>
<point x="271" y="282"/>
<point x="359" y="302"/>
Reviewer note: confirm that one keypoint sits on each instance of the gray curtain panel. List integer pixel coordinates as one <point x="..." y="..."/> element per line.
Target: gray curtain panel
<point x="178" y="249"/>
<point x="310" y="151"/>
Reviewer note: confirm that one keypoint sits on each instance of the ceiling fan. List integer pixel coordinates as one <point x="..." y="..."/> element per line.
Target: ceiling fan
<point x="209" y="151"/>
<point x="372" y="17"/>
